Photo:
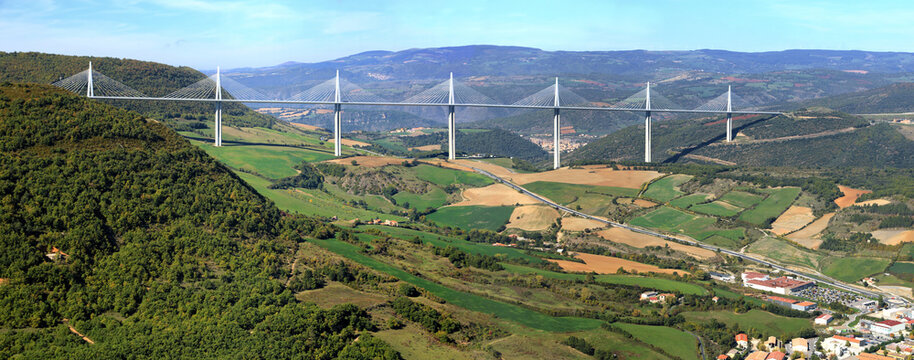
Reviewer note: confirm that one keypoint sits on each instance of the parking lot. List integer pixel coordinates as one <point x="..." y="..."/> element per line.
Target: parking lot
<point x="827" y="295"/>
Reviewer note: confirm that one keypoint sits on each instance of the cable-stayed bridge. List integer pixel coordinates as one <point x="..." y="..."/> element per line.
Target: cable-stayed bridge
<point x="450" y="94"/>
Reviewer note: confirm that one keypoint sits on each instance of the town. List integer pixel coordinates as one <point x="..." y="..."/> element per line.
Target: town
<point x="865" y="329"/>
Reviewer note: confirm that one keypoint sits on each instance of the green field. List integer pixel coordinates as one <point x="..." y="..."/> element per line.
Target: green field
<point x="468" y="301"/>
<point x="434" y="199"/>
<point x="274" y="162"/>
<point x="852" y="269"/>
<point x="766" y="322"/>
<point x="664" y="218"/>
<point x="777" y="202"/>
<point x="902" y="268"/>
<point x="567" y="193"/>
<point x="666" y="189"/>
<point x="444" y="177"/>
<point x="697" y="227"/>
<point x="784" y="252"/>
<point x="689" y="200"/>
<point x="311" y="202"/>
<point x="717" y="208"/>
<point x="444" y="241"/>
<point x="742" y="199"/>
<point x="675" y="342"/>
<point x="632" y="280"/>
<point x="473" y="217"/>
<point x="605" y="340"/>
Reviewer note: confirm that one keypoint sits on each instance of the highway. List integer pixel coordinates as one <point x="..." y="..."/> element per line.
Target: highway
<point x="820" y="279"/>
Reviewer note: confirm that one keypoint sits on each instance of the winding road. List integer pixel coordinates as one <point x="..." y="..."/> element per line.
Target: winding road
<point x="820" y="279"/>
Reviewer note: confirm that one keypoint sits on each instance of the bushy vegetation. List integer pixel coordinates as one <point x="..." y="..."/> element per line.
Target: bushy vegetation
<point x="149" y="228"/>
<point x="429" y="318"/>
<point x="307" y="178"/>
<point x="461" y="259"/>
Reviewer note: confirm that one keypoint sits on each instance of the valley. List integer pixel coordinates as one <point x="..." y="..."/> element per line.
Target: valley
<point x="477" y="257"/>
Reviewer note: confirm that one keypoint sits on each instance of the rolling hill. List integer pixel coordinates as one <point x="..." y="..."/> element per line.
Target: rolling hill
<point x="806" y="138"/>
<point x="895" y="98"/>
<point x="150" y="78"/>
<point x="117" y="229"/>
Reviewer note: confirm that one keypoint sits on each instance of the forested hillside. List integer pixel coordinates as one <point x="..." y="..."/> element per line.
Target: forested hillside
<point x="150" y="78"/>
<point x="808" y="137"/>
<point x="118" y="228"/>
<point x="895" y="98"/>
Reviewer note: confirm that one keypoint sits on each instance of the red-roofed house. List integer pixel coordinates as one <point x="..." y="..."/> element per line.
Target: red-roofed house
<point x="776" y="355"/>
<point x="887" y="327"/>
<point x="742" y="340"/>
<point x="722" y="357"/>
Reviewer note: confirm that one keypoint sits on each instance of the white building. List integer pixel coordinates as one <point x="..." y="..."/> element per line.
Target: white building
<point x="823" y="319"/>
<point x="799" y="344"/>
<point x="841" y="345"/>
<point x="887" y="327"/>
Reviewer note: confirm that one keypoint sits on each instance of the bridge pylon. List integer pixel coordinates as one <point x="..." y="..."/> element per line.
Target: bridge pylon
<point x="647" y="124"/>
<point x="90" y="92"/>
<point x="451" y="121"/>
<point x="337" y="118"/>
<point x="218" y="127"/>
<point x="729" y="115"/>
<point x="557" y="130"/>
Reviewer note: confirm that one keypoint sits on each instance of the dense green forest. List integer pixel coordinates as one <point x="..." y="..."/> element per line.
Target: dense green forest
<point x="158" y="250"/>
<point x="150" y="78"/>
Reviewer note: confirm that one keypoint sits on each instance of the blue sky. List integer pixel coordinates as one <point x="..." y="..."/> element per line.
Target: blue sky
<point x="236" y="33"/>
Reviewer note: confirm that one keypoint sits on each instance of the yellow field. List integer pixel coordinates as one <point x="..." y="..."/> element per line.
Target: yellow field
<point x="350" y="142"/>
<point x="894" y="237"/>
<point x="532" y="218"/>
<point x="850" y="196"/>
<point x="609" y="265"/>
<point x="808" y="237"/>
<point x="574" y="223"/>
<point x="795" y="218"/>
<point x="307" y="127"/>
<point x="631" y="238"/>
<point x="873" y="202"/>
<point x="598" y="175"/>
<point x="494" y="195"/>
<point x="431" y="147"/>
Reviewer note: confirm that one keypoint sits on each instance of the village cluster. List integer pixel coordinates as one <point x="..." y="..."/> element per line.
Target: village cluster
<point x="875" y="332"/>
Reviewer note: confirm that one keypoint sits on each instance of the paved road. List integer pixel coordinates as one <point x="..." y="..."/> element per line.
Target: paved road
<point x="820" y="279"/>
